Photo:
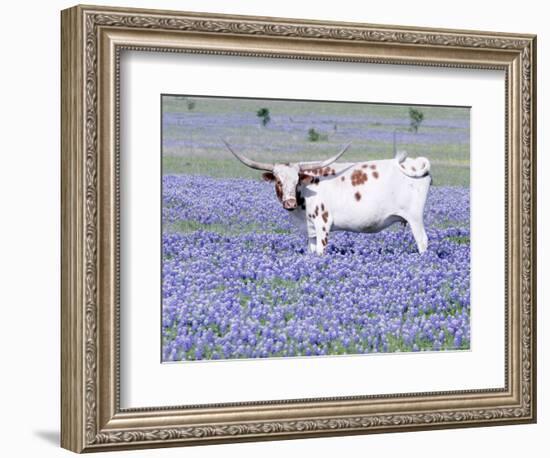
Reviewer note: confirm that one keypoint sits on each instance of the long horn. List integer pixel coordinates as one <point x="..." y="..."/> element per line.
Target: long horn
<point x="249" y="162"/>
<point x="320" y="164"/>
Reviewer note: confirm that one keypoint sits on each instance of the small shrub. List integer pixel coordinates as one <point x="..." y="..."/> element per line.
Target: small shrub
<point x="314" y="136"/>
<point x="263" y="114"/>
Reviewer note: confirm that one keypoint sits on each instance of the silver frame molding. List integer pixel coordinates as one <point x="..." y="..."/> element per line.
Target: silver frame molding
<point x="92" y="40"/>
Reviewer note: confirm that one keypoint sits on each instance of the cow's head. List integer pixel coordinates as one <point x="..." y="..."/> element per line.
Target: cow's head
<point x="287" y="176"/>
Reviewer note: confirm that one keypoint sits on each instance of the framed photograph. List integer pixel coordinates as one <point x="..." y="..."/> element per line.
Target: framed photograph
<point x="279" y="228"/>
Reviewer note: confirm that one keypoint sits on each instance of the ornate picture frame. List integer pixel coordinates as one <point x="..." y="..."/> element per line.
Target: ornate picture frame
<point x="93" y="39"/>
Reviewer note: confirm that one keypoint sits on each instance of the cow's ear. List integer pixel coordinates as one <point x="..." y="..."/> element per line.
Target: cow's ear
<point x="268" y="176"/>
<point x="306" y="178"/>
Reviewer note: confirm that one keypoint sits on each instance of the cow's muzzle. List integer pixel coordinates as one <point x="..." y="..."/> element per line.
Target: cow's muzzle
<point x="289" y="204"/>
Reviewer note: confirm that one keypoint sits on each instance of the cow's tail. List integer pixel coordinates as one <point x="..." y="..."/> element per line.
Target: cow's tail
<point x="414" y="168"/>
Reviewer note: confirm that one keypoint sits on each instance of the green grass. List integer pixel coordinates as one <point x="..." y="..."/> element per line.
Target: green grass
<point x="449" y="175"/>
<point x="187" y="226"/>
<point x="444" y="172"/>
<point x="462" y="240"/>
<point x="194" y="147"/>
<point x="212" y="105"/>
<point x="452" y="223"/>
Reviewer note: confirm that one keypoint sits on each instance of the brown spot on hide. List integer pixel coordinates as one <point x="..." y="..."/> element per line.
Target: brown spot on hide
<point x="343" y="178"/>
<point x="373" y="166"/>
<point x="325" y="216"/>
<point x="357" y="196"/>
<point x="324" y="229"/>
<point x="358" y="177"/>
<point x="305" y="178"/>
<point x="325" y="171"/>
<point x="375" y="174"/>
<point x="402" y="166"/>
<point x="279" y="190"/>
<point x="364" y="166"/>
<point x="322" y="207"/>
<point x="413" y="168"/>
<point x="316" y="210"/>
<point x="324" y="241"/>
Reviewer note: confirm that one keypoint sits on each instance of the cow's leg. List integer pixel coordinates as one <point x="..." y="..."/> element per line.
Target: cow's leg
<point x="322" y="241"/>
<point x="322" y="228"/>
<point x="419" y="233"/>
<point x="311" y="234"/>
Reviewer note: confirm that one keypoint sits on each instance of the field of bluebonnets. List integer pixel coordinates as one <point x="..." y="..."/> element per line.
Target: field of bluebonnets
<point x="237" y="280"/>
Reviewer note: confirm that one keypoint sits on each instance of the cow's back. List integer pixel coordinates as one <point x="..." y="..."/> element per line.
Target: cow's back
<point x="369" y="196"/>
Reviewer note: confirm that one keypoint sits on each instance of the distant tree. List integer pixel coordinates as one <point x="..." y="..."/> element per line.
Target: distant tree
<point x="416" y="118"/>
<point x="263" y="114"/>
<point x="188" y="102"/>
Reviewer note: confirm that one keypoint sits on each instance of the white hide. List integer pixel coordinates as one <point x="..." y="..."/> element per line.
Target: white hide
<point x="395" y="191"/>
<point x="288" y="176"/>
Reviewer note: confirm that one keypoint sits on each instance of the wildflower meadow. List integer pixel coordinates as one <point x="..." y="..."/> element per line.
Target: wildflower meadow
<point x="237" y="278"/>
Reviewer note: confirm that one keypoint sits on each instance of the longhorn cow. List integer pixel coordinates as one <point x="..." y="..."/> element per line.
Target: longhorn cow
<point x="358" y="197"/>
